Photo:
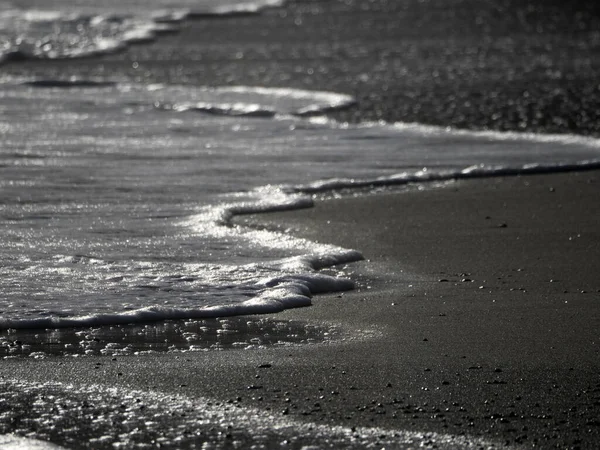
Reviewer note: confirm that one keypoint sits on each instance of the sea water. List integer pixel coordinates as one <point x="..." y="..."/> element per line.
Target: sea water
<point x="117" y="200"/>
<point x="79" y="28"/>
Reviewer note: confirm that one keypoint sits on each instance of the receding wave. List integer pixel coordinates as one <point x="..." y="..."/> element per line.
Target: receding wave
<point x="252" y="101"/>
<point x="430" y="176"/>
<point x="66" y="30"/>
<point x="227" y="109"/>
<point x="119" y="209"/>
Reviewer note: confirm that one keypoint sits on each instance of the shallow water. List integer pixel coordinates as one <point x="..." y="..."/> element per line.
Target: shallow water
<point x="56" y="29"/>
<point x="245" y="333"/>
<point x="117" y="199"/>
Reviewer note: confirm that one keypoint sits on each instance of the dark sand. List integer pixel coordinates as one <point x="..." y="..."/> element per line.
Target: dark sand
<point x="490" y="301"/>
<point x="456" y="325"/>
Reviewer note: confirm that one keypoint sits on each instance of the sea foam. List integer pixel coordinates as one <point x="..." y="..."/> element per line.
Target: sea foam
<point x="118" y="200"/>
<point x="72" y="29"/>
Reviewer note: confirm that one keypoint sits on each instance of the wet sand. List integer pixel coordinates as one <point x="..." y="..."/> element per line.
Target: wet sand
<point x="476" y="313"/>
<point x="489" y="305"/>
<point x="477" y="310"/>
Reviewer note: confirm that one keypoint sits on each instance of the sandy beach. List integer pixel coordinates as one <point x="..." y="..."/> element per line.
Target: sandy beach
<point x="481" y="320"/>
<point x="476" y="308"/>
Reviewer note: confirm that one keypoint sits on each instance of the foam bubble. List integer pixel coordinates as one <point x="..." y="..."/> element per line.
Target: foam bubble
<point x="164" y="337"/>
<point x="118" y="208"/>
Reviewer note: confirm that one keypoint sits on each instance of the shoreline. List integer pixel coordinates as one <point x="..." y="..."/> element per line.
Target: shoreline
<point x="428" y="62"/>
<point x="476" y="313"/>
<point x="513" y="362"/>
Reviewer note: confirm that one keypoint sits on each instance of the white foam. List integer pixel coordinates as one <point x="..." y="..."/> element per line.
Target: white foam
<point x="253" y="101"/>
<point x="516" y="136"/>
<point x="72" y="29"/>
<point x="426" y="176"/>
<point x="118" y="206"/>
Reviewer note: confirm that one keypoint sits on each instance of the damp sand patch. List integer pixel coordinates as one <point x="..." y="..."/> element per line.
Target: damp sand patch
<point x="96" y="417"/>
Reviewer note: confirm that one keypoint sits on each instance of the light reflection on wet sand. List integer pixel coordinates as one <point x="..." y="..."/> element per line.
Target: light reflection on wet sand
<point x="170" y="336"/>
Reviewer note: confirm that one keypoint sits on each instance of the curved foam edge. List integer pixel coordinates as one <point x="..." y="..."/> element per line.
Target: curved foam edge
<point x="491" y="134"/>
<point x="299" y="280"/>
<point x="256" y="101"/>
<point x="237" y="9"/>
<point x="228" y="109"/>
<point x="295" y="288"/>
<point x="235" y="101"/>
<point x="138" y="28"/>
<point x="425" y="176"/>
<point x="292" y="290"/>
<point x="276" y="294"/>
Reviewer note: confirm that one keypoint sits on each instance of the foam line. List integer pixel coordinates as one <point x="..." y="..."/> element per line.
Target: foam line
<point x="427" y="176"/>
<point x="88" y="30"/>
